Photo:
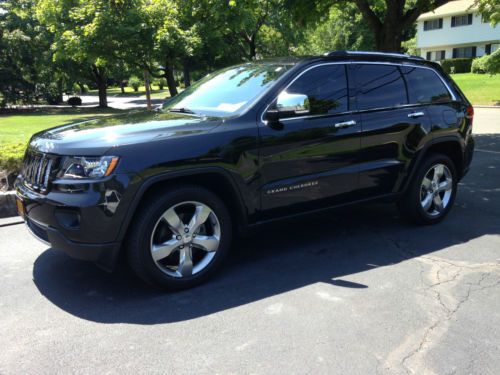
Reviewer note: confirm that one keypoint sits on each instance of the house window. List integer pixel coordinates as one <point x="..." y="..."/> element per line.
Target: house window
<point x="433" y="24"/>
<point x="464" y="52"/>
<point x="463" y="20"/>
<point x="435" y="55"/>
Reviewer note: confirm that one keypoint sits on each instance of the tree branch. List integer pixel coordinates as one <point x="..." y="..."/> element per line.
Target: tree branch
<point x="370" y="16"/>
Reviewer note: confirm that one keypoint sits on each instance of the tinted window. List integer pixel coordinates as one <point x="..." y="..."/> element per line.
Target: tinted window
<point x="425" y="86"/>
<point x="325" y="87"/>
<point x="379" y="86"/>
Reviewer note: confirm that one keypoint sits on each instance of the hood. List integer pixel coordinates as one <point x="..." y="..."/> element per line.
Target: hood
<point x="95" y="137"/>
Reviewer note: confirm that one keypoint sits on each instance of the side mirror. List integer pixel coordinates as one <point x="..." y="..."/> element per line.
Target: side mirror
<point x="292" y="104"/>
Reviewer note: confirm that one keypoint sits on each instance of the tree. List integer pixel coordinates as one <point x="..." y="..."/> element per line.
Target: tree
<point x="391" y="21"/>
<point x="343" y="29"/>
<point x="89" y="33"/>
<point x="490" y="10"/>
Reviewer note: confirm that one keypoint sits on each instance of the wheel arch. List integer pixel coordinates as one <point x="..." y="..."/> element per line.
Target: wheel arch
<point x="451" y="146"/>
<point x="217" y="180"/>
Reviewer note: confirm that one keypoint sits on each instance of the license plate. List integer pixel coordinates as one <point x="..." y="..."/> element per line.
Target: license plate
<point x="20" y="207"/>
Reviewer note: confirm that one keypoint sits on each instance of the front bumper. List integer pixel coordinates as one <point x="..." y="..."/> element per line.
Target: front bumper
<point x="104" y="255"/>
<point x="86" y="222"/>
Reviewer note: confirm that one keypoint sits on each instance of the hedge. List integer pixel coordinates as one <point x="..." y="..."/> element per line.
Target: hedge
<point x="462" y="65"/>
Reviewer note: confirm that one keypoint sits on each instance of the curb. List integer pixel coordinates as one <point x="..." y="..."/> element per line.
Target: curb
<point x="8" y="204"/>
<point x="486" y="106"/>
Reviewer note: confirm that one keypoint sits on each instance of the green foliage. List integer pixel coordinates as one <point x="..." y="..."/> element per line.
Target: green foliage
<point x="478" y="65"/>
<point x="342" y="29"/>
<point x="490" y="10"/>
<point x="11" y="157"/>
<point x="410" y="47"/>
<point x="161" y="83"/>
<point x="460" y="65"/>
<point x="492" y="64"/>
<point x="134" y="82"/>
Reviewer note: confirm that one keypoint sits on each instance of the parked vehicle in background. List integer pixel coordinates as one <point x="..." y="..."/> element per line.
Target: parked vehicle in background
<point x="244" y="146"/>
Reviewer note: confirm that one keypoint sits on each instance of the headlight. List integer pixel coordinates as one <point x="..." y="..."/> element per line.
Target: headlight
<point x="87" y="167"/>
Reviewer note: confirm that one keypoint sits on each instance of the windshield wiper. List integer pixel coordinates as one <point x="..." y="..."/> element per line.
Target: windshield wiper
<point x="182" y="110"/>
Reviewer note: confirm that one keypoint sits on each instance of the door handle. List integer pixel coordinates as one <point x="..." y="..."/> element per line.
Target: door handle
<point x="345" y="124"/>
<point x="416" y="114"/>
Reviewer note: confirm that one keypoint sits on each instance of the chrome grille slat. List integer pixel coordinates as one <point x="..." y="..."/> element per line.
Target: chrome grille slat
<point x="37" y="169"/>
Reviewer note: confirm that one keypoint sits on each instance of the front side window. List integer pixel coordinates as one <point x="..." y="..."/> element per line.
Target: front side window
<point x="325" y="87"/>
<point x="229" y="91"/>
<point x="379" y="86"/>
<point x="424" y="86"/>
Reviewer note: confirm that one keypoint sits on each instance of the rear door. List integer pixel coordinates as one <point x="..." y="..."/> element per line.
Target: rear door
<point x="311" y="158"/>
<point x="392" y="127"/>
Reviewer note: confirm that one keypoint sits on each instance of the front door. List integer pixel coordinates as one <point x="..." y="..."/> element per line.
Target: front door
<point x="310" y="160"/>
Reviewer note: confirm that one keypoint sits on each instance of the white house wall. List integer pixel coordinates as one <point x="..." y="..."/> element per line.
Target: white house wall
<point x="462" y="35"/>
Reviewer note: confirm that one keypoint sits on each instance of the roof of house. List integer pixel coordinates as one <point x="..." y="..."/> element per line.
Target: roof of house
<point x="449" y="9"/>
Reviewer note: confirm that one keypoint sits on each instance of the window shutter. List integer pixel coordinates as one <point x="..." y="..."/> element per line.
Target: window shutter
<point x="453" y="21"/>
<point x="487" y="50"/>
<point x="426" y="25"/>
<point x="455" y="53"/>
<point x="440" y="23"/>
<point x="428" y="56"/>
<point x="474" y="50"/>
<point x="469" y="19"/>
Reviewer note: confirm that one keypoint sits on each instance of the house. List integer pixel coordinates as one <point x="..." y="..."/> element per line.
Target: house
<point x="454" y="30"/>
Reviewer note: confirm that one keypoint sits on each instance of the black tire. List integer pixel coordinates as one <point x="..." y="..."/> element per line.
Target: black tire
<point x="410" y="205"/>
<point x="138" y="243"/>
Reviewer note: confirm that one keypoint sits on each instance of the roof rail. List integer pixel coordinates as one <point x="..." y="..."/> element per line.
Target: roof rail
<point x="370" y="53"/>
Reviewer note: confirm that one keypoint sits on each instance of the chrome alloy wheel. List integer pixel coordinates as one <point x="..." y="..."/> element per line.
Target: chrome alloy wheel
<point x="436" y="190"/>
<point x="185" y="239"/>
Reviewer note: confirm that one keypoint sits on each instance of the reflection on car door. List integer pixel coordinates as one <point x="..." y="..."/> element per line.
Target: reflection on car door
<point x="392" y="129"/>
<point x="312" y="158"/>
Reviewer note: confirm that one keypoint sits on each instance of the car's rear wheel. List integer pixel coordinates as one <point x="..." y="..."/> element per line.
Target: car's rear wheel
<point x="432" y="192"/>
<point x="179" y="237"/>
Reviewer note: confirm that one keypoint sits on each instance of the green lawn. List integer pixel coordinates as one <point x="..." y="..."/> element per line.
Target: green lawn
<point x="16" y="129"/>
<point x="479" y="88"/>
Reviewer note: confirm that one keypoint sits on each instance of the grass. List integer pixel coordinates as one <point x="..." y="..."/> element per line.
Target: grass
<point x="16" y="129"/>
<point x="480" y="89"/>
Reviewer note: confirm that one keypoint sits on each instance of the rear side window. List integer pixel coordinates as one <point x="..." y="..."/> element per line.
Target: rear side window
<point x="379" y="86"/>
<point x="326" y="88"/>
<point x="424" y="86"/>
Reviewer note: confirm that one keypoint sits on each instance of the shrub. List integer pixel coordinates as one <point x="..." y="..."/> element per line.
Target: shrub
<point x="492" y="64"/>
<point x="478" y="65"/>
<point x="74" y="101"/>
<point x="462" y="65"/>
<point x="11" y="157"/>
<point x="135" y="82"/>
<point x="52" y="94"/>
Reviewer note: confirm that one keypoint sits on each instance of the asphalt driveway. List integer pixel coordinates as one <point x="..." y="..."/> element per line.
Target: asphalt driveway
<point x="353" y="292"/>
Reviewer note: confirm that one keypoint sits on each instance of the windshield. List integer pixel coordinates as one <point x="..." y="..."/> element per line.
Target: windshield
<point x="229" y="91"/>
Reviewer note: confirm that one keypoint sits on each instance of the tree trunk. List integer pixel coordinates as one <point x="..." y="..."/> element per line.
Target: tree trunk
<point x="122" y="87"/>
<point x="253" y="48"/>
<point x="388" y="38"/>
<point x="100" y="79"/>
<point x="103" y="95"/>
<point x="187" y="75"/>
<point x="147" y="85"/>
<point x="169" y="76"/>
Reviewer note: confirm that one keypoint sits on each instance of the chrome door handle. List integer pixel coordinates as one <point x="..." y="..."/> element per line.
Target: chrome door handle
<point x="416" y="114"/>
<point x="345" y="124"/>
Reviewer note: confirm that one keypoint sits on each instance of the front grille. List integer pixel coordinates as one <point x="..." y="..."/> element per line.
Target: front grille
<point x="37" y="171"/>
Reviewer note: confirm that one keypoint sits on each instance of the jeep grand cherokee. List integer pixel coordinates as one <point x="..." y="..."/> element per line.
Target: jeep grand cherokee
<point x="243" y="146"/>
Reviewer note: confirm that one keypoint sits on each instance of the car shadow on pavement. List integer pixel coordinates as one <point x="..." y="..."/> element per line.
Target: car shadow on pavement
<point x="278" y="258"/>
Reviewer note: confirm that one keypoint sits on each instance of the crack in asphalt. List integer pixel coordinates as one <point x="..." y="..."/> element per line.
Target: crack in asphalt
<point x="444" y="275"/>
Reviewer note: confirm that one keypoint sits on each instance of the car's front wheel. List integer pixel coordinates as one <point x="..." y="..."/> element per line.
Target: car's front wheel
<point x="432" y="192"/>
<point x="179" y="237"/>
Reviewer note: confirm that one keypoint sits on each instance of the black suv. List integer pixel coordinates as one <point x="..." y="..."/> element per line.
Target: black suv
<point x="243" y="146"/>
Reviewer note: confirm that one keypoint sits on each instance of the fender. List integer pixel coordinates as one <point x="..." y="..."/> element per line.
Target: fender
<point x="423" y="152"/>
<point x="148" y="182"/>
